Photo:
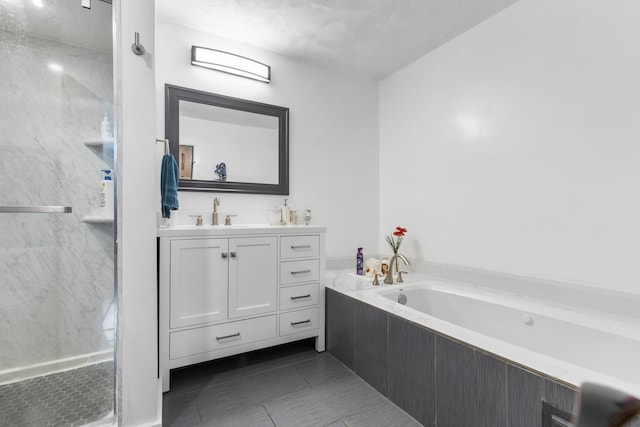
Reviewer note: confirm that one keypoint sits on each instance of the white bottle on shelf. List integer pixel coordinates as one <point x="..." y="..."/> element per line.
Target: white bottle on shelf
<point x="105" y="129"/>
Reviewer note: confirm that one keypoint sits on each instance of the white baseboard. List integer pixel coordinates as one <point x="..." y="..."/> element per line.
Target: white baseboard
<point x="25" y="372"/>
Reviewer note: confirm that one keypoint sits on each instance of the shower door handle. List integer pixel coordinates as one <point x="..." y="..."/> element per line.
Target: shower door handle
<point x="35" y="209"/>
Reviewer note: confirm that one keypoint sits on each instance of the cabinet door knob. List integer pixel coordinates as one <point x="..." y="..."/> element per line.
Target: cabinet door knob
<point x="233" y="254"/>
<point x="224" y="255"/>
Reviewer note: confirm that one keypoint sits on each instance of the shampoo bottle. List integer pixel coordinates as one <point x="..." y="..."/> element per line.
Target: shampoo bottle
<point x="105" y="128"/>
<point x="359" y="263"/>
<point x="106" y="194"/>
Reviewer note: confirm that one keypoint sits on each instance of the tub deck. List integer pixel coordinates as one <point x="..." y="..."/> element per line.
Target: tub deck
<point x="571" y="344"/>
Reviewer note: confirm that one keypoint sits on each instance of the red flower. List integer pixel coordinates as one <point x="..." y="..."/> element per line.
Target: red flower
<point x="400" y="231"/>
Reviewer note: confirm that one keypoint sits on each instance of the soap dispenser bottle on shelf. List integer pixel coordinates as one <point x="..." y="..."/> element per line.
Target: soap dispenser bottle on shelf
<point x="105" y="128"/>
<point x="106" y="194"/>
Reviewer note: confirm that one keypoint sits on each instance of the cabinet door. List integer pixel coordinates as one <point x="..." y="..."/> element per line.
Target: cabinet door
<point x="253" y="276"/>
<point x="199" y="274"/>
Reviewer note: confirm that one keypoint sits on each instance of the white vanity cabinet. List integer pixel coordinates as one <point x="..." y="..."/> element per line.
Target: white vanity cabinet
<point x="228" y="290"/>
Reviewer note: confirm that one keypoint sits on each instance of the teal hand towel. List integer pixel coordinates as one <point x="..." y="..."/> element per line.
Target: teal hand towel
<point x="169" y="185"/>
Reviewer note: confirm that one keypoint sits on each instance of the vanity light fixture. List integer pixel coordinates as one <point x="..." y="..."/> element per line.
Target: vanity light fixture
<point x="230" y="63"/>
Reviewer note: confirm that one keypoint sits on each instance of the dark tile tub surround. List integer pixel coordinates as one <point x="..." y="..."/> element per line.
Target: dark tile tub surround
<point x="439" y="381"/>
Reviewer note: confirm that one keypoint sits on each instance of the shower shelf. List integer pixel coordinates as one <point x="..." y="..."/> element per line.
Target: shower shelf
<point x="97" y="219"/>
<point x="99" y="143"/>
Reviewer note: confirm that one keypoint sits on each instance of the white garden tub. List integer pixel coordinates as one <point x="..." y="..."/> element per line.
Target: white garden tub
<point x="563" y="343"/>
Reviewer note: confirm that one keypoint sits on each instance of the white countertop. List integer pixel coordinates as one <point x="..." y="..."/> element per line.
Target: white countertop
<point x="235" y="230"/>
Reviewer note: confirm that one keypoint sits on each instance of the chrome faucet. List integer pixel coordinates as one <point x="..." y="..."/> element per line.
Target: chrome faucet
<point x="389" y="279"/>
<point x="214" y="215"/>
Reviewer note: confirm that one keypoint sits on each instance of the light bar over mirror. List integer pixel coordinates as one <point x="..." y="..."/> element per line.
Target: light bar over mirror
<point x="230" y="63"/>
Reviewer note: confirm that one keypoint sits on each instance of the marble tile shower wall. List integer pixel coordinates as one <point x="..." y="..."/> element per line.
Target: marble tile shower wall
<point x="57" y="271"/>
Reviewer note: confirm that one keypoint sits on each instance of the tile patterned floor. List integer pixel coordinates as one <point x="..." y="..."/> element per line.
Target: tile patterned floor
<point x="290" y="385"/>
<point x="64" y="399"/>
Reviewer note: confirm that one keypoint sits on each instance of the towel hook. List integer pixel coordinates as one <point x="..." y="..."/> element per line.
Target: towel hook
<point x="166" y="144"/>
<point x="136" y="47"/>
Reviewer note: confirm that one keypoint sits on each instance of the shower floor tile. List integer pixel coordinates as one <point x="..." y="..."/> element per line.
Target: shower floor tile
<point x="70" y="398"/>
<point x="289" y="385"/>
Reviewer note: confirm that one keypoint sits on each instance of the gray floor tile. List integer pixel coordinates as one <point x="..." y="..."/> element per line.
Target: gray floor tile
<point x="204" y="375"/>
<point x="322" y="368"/>
<point x="383" y="414"/>
<point x="318" y="391"/>
<point x="231" y="396"/>
<point x="276" y="357"/>
<point x="256" y="416"/>
<point x="324" y="404"/>
<point x="180" y="410"/>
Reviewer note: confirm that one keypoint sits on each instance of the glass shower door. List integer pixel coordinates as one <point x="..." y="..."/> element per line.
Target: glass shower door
<point x="57" y="278"/>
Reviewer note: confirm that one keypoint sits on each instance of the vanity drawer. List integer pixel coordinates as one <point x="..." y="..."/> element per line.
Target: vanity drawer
<point x="216" y="337"/>
<point x="299" y="271"/>
<point x="293" y="322"/>
<point x="298" y="296"/>
<point x="292" y="247"/>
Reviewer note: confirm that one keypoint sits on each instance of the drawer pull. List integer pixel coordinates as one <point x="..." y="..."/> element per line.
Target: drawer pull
<point x="224" y="255"/>
<point x="237" y="334"/>
<point x="233" y="255"/>
<point x="301" y="272"/>
<point x="301" y="296"/>
<point x="301" y="247"/>
<point x="301" y="322"/>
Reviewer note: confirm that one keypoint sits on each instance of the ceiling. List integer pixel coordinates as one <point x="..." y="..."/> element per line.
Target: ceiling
<point x="371" y="38"/>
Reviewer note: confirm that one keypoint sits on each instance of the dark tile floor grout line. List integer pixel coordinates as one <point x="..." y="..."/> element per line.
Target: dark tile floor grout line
<point x="269" y="415"/>
<point x="279" y="367"/>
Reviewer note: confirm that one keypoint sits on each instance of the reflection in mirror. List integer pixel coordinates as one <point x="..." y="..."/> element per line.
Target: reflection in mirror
<point x="227" y="144"/>
<point x="217" y="135"/>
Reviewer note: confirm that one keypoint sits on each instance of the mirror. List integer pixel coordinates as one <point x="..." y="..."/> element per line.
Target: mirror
<point x="227" y="144"/>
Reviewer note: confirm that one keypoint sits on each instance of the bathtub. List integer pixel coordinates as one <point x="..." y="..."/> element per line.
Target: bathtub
<point x="564" y="343"/>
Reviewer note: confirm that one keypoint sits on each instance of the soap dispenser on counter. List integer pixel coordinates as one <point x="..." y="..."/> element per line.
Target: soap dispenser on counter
<point x="284" y="213"/>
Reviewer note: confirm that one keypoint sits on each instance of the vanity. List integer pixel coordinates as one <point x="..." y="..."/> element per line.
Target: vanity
<point x="225" y="290"/>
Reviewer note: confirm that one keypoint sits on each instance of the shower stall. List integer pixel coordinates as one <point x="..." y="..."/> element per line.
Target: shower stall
<point x="57" y="250"/>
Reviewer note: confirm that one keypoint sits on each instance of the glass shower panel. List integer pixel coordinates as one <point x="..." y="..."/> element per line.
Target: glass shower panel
<point x="57" y="277"/>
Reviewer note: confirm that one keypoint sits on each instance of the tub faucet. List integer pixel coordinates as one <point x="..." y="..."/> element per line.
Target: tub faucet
<point x="214" y="215"/>
<point x="389" y="279"/>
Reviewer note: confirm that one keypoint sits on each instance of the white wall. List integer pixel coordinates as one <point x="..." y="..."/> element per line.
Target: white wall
<point x="138" y="388"/>
<point x="333" y="137"/>
<point x="515" y="146"/>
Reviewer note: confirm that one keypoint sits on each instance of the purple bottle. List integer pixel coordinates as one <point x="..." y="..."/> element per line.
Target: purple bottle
<point x="359" y="263"/>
